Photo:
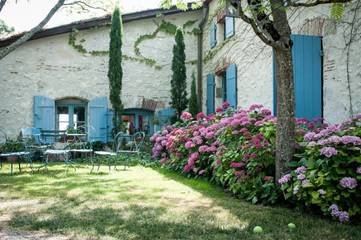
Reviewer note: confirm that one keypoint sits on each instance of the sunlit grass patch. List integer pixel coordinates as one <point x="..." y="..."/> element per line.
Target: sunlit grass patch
<point x="145" y="203"/>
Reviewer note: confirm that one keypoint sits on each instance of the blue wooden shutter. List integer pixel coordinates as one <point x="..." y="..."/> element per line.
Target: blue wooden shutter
<point x="44" y="113"/>
<point x="307" y="72"/>
<point x="210" y="93"/>
<point x="98" y="109"/>
<point x="213" y="35"/>
<point x="231" y="76"/>
<point x="228" y="27"/>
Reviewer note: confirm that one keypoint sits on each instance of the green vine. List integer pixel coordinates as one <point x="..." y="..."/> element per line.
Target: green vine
<point x="213" y="52"/>
<point x="164" y="26"/>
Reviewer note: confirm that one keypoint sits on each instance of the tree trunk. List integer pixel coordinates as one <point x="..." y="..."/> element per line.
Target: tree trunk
<point x="285" y="137"/>
<point x="31" y="33"/>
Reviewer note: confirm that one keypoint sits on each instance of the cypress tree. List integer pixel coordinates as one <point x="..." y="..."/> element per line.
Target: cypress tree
<point x="179" y="99"/>
<point x="115" y="71"/>
<point x="193" y="100"/>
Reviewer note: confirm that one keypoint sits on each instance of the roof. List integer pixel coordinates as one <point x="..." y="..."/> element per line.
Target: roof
<point x="94" y="22"/>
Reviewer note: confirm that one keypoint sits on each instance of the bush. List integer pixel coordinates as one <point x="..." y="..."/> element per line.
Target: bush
<point x="235" y="148"/>
<point x="327" y="174"/>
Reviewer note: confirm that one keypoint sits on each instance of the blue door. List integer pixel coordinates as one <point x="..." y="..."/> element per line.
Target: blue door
<point x="98" y="112"/>
<point x="231" y="78"/>
<point x="210" y="93"/>
<point x="307" y="72"/>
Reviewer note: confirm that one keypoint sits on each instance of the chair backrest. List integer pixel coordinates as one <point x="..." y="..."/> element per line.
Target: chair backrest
<point x="31" y="134"/>
<point x="139" y="138"/>
<point x="123" y="141"/>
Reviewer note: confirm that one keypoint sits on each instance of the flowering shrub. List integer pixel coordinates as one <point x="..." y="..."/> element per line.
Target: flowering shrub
<point x="328" y="174"/>
<point x="236" y="149"/>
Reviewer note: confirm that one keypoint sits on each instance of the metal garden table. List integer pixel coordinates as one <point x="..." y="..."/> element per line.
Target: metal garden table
<point x="16" y="156"/>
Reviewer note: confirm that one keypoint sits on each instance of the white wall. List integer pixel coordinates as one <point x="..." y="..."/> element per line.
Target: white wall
<point x="254" y="61"/>
<point x="51" y="67"/>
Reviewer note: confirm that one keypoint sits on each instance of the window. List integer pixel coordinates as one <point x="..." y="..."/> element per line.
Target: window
<point x="228" y="27"/>
<point x="70" y="113"/>
<point x="213" y="35"/>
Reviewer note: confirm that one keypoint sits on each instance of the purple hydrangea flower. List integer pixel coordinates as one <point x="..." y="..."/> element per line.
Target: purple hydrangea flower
<point x="351" y="140"/>
<point x="309" y="136"/>
<point x="358" y="170"/>
<point x="285" y="179"/>
<point x="343" y="217"/>
<point x="301" y="177"/>
<point x="301" y="170"/>
<point x="348" y="182"/>
<point x="321" y="191"/>
<point x="305" y="182"/>
<point x="328" y="151"/>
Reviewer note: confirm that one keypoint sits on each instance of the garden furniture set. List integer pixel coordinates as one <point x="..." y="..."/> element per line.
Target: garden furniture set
<point x="34" y="140"/>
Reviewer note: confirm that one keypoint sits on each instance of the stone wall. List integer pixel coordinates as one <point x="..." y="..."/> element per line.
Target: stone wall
<point x="254" y="60"/>
<point x="51" y="67"/>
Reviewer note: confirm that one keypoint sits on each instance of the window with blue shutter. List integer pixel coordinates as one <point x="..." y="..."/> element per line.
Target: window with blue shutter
<point x="213" y="35"/>
<point x="228" y="27"/>
<point x="307" y="72"/>
<point x="231" y="79"/>
<point x="98" y="112"/>
<point x="44" y="113"/>
<point x="210" y="93"/>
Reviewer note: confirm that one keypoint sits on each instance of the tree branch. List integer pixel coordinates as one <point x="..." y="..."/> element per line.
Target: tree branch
<point x="81" y="3"/>
<point x="2" y="3"/>
<point x="253" y="24"/>
<point x="314" y="3"/>
<point x="34" y="30"/>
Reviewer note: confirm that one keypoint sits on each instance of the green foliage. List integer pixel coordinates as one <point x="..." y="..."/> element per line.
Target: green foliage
<point x="337" y="11"/>
<point x="11" y="146"/>
<point x="164" y="26"/>
<point x="213" y="52"/>
<point x="5" y="28"/>
<point x="193" y="100"/>
<point x="316" y="178"/>
<point x="178" y="83"/>
<point x="115" y="72"/>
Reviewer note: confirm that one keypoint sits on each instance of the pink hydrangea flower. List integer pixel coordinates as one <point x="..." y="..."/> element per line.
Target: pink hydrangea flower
<point x="186" y="116"/>
<point x="225" y="105"/>
<point x="200" y="116"/>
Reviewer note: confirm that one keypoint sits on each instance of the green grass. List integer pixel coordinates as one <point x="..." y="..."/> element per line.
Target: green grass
<point x="145" y="203"/>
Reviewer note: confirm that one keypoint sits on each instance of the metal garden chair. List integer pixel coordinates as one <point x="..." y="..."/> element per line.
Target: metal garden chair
<point x="125" y="145"/>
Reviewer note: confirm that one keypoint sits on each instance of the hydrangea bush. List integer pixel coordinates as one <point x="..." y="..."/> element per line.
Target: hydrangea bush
<point x="328" y="173"/>
<point x="236" y="149"/>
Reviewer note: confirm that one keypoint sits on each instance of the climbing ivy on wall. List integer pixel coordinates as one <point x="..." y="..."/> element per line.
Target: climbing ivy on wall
<point x="163" y="26"/>
<point x="213" y="52"/>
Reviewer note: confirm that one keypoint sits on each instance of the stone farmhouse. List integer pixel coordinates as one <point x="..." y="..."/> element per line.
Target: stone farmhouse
<point x="59" y="78"/>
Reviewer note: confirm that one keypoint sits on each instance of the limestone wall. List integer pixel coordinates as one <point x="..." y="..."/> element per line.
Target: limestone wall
<point x="254" y="61"/>
<point x="51" y="67"/>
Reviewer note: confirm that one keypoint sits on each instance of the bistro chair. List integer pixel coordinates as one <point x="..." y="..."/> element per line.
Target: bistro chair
<point x="123" y="145"/>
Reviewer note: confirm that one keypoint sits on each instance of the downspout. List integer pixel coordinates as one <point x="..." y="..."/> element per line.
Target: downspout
<point x="205" y="11"/>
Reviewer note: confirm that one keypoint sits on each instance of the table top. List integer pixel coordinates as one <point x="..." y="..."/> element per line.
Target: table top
<point x="56" y="151"/>
<point x="14" y="154"/>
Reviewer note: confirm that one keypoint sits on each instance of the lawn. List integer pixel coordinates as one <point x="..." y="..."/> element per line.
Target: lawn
<point x="143" y="203"/>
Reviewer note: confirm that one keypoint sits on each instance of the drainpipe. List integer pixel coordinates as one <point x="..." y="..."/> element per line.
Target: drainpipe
<point x="200" y="56"/>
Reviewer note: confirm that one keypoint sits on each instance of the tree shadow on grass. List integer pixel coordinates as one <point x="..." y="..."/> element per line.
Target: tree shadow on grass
<point x="273" y="219"/>
<point x="132" y="222"/>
